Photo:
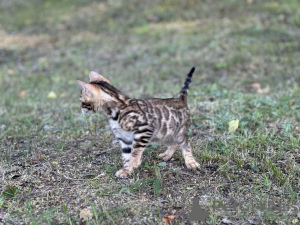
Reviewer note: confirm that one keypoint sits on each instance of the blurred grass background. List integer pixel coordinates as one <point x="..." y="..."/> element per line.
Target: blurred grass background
<point x="146" y="48"/>
<point x="143" y="47"/>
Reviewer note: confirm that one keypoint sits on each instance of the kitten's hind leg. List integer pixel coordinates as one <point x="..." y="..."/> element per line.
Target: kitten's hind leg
<point x="167" y="155"/>
<point x="189" y="159"/>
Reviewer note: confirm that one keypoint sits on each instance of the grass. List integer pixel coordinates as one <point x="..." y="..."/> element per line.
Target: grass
<point x="54" y="163"/>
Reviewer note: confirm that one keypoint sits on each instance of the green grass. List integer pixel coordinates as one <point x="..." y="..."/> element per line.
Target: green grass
<point x="54" y="162"/>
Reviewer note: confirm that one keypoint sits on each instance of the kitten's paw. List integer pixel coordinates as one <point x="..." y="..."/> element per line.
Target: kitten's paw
<point x="122" y="173"/>
<point x="192" y="164"/>
<point x="135" y="163"/>
<point x="165" y="156"/>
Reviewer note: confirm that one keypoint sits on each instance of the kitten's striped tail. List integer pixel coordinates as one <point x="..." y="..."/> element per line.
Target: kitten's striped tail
<point x="185" y="87"/>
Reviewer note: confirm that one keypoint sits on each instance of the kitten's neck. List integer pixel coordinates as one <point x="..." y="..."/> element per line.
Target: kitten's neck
<point x="113" y="108"/>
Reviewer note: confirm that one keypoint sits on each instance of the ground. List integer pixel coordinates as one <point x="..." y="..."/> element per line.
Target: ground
<point x="55" y="164"/>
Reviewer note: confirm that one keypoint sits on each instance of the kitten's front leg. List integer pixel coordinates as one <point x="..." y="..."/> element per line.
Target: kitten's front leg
<point x="126" y="155"/>
<point x="127" y="169"/>
<point x="133" y="159"/>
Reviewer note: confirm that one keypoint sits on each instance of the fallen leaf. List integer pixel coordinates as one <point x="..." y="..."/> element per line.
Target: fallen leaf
<point x="85" y="214"/>
<point x="168" y="219"/>
<point x="255" y="85"/>
<point x="22" y="94"/>
<point x="233" y="125"/>
<point x="263" y="90"/>
<point x="52" y="95"/>
<point x="259" y="89"/>
<point x="143" y="198"/>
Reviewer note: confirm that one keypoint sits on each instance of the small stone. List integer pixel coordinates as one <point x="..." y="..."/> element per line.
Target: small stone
<point x="47" y="127"/>
<point x="2" y="127"/>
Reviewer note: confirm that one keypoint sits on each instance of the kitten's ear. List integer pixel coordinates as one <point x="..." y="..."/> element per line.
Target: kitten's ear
<point x="97" y="77"/>
<point x="89" y="88"/>
<point x="82" y="84"/>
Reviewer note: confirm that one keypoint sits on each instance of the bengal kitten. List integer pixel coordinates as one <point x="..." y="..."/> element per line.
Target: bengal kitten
<point x="136" y="122"/>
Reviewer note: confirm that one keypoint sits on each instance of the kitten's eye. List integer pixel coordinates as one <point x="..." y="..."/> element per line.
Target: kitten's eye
<point x="86" y="105"/>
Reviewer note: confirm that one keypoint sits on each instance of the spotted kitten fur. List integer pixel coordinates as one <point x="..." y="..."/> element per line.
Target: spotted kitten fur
<point x="136" y="122"/>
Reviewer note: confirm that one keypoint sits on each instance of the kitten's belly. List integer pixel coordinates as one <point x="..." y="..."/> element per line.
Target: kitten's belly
<point x="161" y="138"/>
<point x="120" y="133"/>
<point x="164" y="140"/>
<point x="124" y="135"/>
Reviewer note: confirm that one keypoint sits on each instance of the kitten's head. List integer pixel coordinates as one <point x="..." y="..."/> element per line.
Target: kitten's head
<point x="92" y="97"/>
